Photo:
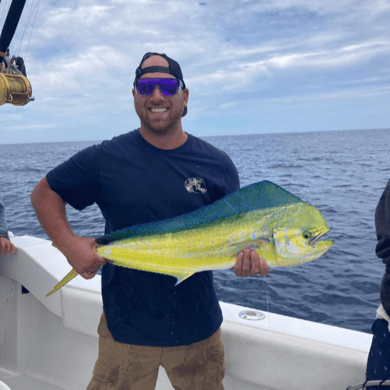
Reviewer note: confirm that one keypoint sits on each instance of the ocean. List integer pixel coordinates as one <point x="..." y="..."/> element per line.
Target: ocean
<point x="342" y="173"/>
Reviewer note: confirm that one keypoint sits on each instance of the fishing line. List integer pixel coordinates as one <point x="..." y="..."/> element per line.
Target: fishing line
<point x="32" y="14"/>
<point x="32" y="27"/>
<point x="265" y="284"/>
<point x="3" y="14"/>
<point x="24" y="31"/>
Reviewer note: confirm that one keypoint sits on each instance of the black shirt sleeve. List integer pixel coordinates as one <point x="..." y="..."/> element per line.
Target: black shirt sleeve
<point x="382" y="224"/>
<point x="76" y="180"/>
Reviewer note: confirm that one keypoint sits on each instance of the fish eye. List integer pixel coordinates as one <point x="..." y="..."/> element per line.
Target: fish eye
<point x="306" y="235"/>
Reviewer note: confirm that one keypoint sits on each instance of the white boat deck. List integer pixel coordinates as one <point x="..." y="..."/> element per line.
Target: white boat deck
<point x="51" y="343"/>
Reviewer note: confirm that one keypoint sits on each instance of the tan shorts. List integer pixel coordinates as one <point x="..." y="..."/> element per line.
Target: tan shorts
<point x="199" y="366"/>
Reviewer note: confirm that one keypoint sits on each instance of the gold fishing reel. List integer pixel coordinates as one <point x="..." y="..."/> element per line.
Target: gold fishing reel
<point x="14" y="86"/>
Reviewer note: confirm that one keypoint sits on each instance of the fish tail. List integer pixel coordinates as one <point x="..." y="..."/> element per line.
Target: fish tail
<point x="71" y="275"/>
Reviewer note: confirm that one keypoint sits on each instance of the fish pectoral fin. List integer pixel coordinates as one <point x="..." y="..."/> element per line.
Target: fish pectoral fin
<point x="71" y="275"/>
<point x="181" y="276"/>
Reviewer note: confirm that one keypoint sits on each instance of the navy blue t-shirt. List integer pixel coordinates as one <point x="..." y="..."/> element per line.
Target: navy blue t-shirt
<point x="134" y="182"/>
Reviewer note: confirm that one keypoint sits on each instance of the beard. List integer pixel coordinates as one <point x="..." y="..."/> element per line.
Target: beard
<point x="161" y="127"/>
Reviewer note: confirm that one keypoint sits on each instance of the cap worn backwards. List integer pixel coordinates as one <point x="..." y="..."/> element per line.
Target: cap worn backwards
<point x="173" y="69"/>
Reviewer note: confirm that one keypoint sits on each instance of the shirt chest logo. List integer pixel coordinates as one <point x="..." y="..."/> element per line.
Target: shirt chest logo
<point x="195" y="185"/>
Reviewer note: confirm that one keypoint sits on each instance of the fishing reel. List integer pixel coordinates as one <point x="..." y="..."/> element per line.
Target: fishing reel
<point x="15" y="88"/>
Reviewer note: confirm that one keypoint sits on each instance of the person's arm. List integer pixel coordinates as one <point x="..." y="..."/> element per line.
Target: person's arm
<point x="51" y="213"/>
<point x="3" y="222"/>
<point x="382" y="225"/>
<point x="6" y="246"/>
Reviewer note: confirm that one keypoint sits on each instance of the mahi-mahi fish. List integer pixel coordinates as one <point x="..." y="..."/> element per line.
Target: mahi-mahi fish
<point x="283" y="229"/>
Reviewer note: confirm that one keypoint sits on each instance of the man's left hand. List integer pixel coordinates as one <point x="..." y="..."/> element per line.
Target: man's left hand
<point x="6" y="246"/>
<point x="250" y="264"/>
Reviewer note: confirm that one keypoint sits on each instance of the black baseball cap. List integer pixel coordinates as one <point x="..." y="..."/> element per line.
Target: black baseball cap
<point x="173" y="69"/>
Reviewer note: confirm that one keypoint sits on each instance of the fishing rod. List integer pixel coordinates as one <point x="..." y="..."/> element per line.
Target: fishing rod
<point x="15" y="88"/>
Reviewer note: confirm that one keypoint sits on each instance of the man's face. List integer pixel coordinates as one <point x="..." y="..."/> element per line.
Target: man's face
<point x="157" y="112"/>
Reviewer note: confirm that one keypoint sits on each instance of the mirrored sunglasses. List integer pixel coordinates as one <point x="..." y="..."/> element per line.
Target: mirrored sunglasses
<point x="168" y="87"/>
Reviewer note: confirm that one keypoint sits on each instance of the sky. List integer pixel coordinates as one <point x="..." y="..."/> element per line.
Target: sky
<point x="251" y="66"/>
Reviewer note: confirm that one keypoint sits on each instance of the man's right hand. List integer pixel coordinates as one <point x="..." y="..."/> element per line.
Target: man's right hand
<point x="81" y="255"/>
<point x="51" y="213"/>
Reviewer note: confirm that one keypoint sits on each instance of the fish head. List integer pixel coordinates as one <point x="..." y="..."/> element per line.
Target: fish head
<point x="299" y="241"/>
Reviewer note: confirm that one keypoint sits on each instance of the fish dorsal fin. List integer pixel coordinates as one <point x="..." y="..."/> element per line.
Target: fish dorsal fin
<point x="261" y="195"/>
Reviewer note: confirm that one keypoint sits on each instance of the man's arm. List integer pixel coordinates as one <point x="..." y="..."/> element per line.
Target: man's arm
<point x="51" y="213"/>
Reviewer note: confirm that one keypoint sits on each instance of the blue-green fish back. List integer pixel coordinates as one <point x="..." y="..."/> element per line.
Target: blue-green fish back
<point x="261" y="195"/>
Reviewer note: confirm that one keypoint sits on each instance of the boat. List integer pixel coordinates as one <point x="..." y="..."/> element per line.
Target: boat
<point x="52" y="343"/>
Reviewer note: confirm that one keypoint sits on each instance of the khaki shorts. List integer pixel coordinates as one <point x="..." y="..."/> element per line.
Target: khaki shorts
<point x="199" y="366"/>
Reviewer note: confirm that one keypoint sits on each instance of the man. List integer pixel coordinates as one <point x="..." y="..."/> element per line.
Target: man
<point x="155" y="172"/>
<point x="6" y="246"/>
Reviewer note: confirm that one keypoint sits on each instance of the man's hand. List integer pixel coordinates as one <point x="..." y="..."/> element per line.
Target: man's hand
<point x="250" y="264"/>
<point x="51" y="213"/>
<point x="81" y="255"/>
<point x="6" y="246"/>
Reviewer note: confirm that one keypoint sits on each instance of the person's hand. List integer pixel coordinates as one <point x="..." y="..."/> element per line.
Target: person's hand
<point x="81" y="255"/>
<point x="249" y="263"/>
<point x="6" y="246"/>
